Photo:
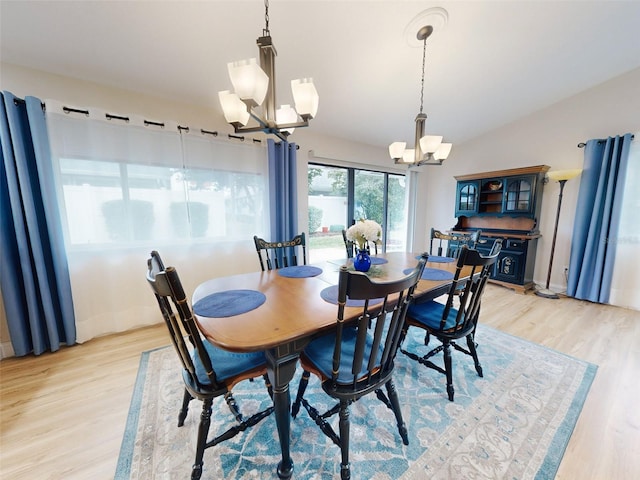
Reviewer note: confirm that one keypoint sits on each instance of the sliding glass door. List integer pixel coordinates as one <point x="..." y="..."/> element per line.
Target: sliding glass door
<point x="396" y="213"/>
<point x="340" y="196"/>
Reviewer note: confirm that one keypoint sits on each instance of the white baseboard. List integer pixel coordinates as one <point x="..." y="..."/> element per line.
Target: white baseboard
<point x="6" y="350"/>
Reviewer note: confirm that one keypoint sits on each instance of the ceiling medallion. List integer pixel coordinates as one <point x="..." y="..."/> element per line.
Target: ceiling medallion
<point x="437" y="17"/>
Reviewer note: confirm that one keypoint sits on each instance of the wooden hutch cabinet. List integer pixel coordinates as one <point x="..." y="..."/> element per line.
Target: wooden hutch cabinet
<point x="503" y="204"/>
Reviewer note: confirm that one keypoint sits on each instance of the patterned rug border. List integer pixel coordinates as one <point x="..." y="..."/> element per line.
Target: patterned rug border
<point x="548" y="467"/>
<point x="123" y="469"/>
<point x="560" y="441"/>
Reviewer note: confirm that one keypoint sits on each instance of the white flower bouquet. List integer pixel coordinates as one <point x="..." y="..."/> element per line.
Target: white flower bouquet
<point x="364" y="231"/>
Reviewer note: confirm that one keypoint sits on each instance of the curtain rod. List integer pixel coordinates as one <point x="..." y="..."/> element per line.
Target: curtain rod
<point x="181" y="128"/>
<point x="582" y="144"/>
<point x="21" y="101"/>
<point x="110" y="116"/>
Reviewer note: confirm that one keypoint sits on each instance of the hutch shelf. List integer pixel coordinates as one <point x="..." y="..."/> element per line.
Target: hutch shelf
<point x="503" y="204"/>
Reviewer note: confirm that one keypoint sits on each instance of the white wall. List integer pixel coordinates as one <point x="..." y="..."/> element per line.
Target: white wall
<point x="333" y="209"/>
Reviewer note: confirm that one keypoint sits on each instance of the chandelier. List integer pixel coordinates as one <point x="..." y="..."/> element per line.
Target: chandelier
<point x="429" y="149"/>
<point x="255" y="94"/>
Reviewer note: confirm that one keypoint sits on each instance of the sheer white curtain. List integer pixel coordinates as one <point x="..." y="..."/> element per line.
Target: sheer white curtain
<point x="625" y="284"/>
<point x="127" y="186"/>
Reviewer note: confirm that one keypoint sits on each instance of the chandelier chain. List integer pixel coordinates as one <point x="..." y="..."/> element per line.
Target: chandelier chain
<point x="265" y="31"/>
<point x="424" y="57"/>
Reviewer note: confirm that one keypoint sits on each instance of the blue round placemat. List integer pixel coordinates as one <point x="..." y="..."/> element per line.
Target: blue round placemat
<point x="330" y="294"/>
<point x="378" y="260"/>
<point x="300" y="271"/>
<point x="438" y="259"/>
<point x="228" y="303"/>
<point x="432" y="274"/>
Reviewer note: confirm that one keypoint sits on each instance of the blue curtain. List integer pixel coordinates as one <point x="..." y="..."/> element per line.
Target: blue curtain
<point x="283" y="192"/>
<point x="33" y="267"/>
<point x="593" y="246"/>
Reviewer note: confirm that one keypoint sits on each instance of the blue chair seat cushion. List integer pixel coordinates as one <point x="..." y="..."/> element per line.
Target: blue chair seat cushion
<point x="320" y="353"/>
<point x="225" y="364"/>
<point x="430" y="314"/>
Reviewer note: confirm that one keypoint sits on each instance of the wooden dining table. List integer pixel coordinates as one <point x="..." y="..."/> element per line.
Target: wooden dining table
<point x="292" y="314"/>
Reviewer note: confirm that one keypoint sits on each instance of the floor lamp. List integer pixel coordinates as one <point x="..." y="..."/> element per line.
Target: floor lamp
<point x="560" y="176"/>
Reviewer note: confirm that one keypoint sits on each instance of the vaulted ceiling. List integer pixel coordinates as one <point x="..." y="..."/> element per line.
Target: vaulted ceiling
<point x="491" y="63"/>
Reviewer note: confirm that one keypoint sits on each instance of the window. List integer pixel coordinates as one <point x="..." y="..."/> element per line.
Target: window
<point x="339" y="196"/>
<point x="130" y="193"/>
<point x="126" y="187"/>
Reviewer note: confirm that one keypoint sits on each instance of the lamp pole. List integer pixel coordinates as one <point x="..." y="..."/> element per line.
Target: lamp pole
<point x="561" y="176"/>
<point x="546" y="292"/>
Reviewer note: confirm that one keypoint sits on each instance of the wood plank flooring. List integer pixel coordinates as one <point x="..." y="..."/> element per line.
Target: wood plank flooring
<point x="63" y="415"/>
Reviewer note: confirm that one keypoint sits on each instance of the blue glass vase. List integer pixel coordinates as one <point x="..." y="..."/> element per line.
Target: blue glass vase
<point x="362" y="260"/>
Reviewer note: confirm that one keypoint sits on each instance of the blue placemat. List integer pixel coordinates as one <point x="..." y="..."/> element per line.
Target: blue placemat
<point x="330" y="294"/>
<point x="437" y="259"/>
<point x="378" y="260"/>
<point x="300" y="271"/>
<point x="432" y="274"/>
<point x="228" y="303"/>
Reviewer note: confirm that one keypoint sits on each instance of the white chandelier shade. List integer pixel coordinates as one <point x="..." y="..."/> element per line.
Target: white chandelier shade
<point x="409" y="155"/>
<point x="235" y="110"/>
<point x="396" y="149"/>
<point x="249" y="81"/>
<point x="305" y="97"/>
<point x="286" y="115"/>
<point x="430" y="143"/>
<point x="443" y="151"/>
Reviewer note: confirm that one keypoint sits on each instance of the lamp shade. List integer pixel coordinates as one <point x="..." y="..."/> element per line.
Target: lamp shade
<point x="284" y="115"/>
<point x="396" y="149"/>
<point x="305" y="96"/>
<point x="443" y="151"/>
<point x="409" y="155"/>
<point x="249" y="80"/>
<point x="234" y="109"/>
<point x="430" y="143"/>
<point x="559" y="175"/>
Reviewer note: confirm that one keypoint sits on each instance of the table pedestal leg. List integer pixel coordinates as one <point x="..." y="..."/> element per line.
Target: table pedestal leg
<point x="281" y="370"/>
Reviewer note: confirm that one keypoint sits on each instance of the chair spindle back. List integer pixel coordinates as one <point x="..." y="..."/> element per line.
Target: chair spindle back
<point x="275" y="255"/>
<point x="469" y="292"/>
<point x="374" y="352"/>
<point x="169" y="293"/>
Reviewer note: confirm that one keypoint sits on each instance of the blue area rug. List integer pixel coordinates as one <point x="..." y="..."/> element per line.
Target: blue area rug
<point x="514" y="423"/>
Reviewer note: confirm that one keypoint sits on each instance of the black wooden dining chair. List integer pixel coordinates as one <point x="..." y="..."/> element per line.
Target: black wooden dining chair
<point x="274" y="255"/>
<point x="447" y="323"/>
<point x="358" y="357"/>
<point x="350" y="246"/>
<point x="440" y="242"/>
<point x="443" y="240"/>
<point x="207" y="371"/>
<point x="473" y="239"/>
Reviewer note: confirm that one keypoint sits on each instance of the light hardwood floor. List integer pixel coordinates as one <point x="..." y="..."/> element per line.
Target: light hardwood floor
<point x="63" y="415"/>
